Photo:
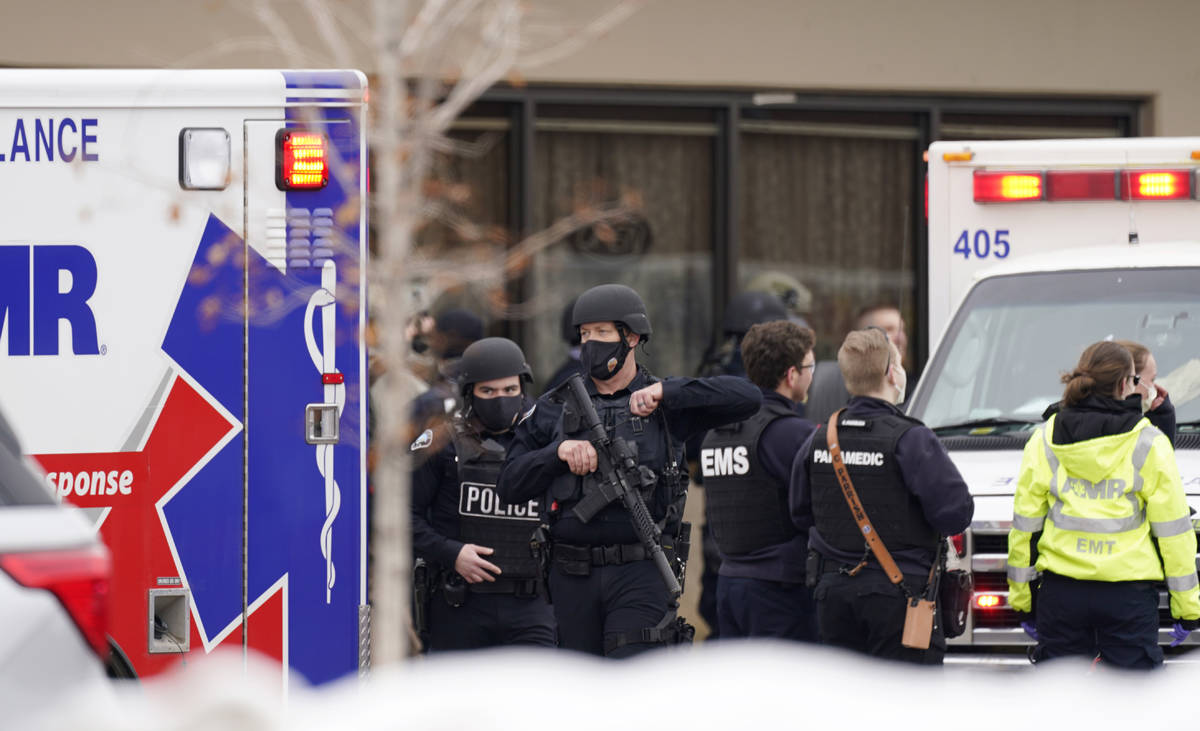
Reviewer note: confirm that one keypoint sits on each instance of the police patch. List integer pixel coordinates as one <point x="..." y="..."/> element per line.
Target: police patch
<point x="422" y="441"/>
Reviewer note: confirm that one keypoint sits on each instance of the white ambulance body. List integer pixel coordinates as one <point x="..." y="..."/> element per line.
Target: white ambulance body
<point x="1036" y="250"/>
<point x="181" y="312"/>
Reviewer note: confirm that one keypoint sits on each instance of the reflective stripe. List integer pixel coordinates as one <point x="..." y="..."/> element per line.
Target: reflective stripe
<point x="1183" y="583"/>
<point x="1021" y="574"/>
<point x="1141" y="451"/>
<point x="1168" y="528"/>
<point x="1095" y="525"/>
<point x="1028" y="524"/>
<point x="1051" y="459"/>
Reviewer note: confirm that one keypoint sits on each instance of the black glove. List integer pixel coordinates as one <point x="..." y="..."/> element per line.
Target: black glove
<point x="1191" y="625"/>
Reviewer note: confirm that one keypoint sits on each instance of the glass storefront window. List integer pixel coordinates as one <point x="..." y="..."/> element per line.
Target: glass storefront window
<point x="664" y="250"/>
<point x="833" y="213"/>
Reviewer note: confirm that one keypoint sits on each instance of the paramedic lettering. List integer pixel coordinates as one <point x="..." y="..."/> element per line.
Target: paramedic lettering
<point x="32" y="322"/>
<point x="45" y="140"/>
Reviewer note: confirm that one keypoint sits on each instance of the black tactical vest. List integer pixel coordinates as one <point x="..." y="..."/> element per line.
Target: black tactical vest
<point x="483" y="519"/>
<point x="868" y="449"/>
<point x="747" y="509"/>
<point x="663" y="481"/>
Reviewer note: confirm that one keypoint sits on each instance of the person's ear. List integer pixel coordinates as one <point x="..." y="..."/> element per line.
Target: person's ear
<point x="633" y="339"/>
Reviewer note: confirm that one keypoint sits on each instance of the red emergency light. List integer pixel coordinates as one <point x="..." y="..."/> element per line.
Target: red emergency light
<point x="1156" y="185"/>
<point x="301" y="162"/>
<point x="960" y="544"/>
<point x="988" y="601"/>
<point x="1073" y="185"/>
<point x="1007" y="186"/>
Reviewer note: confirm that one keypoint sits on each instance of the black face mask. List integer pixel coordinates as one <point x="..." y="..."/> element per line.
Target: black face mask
<point x="602" y="360"/>
<point x="497" y="414"/>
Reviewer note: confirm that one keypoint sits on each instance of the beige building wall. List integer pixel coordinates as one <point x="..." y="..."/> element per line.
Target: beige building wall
<point x="1054" y="47"/>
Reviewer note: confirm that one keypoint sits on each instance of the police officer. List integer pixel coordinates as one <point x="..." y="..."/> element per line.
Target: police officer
<point x="746" y="467"/>
<point x="609" y="599"/>
<point x="453" y="330"/>
<point x="910" y="490"/>
<point x="1101" y="485"/>
<point x="488" y="589"/>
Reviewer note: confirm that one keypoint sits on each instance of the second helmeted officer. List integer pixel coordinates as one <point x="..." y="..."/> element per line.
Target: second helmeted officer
<point x="608" y="597"/>
<point x="487" y="587"/>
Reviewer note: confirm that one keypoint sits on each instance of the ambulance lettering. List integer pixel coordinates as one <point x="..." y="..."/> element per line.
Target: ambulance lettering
<point x="97" y="482"/>
<point x="32" y="323"/>
<point x="41" y="140"/>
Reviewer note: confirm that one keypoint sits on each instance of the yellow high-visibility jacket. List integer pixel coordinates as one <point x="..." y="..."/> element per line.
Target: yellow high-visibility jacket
<point x="1097" y="502"/>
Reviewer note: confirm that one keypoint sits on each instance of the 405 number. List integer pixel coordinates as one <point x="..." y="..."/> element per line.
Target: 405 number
<point x="981" y="243"/>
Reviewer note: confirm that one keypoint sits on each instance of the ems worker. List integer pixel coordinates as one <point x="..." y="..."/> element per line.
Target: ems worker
<point x="744" y="311"/>
<point x="488" y="587"/>
<point x="609" y="599"/>
<point x="1101" y="485"/>
<point x="746" y="466"/>
<point x="910" y="490"/>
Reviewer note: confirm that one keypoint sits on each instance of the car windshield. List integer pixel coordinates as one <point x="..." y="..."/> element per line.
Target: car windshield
<point x="1005" y="351"/>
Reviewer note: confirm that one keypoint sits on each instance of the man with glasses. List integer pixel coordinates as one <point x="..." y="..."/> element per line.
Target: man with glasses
<point x="761" y="588"/>
<point x="909" y="489"/>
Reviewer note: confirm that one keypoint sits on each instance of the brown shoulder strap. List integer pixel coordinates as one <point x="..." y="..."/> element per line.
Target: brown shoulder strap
<point x="856" y="508"/>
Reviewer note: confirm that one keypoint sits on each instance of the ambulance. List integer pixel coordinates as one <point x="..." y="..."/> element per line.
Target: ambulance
<point x="182" y="309"/>
<point x="1036" y="250"/>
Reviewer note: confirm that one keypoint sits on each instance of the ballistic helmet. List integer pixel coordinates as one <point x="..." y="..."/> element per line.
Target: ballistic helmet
<point x="613" y="303"/>
<point x="794" y="295"/>
<point x="488" y="359"/>
<point x="454" y="330"/>
<point x="747" y="309"/>
<point x="569" y="331"/>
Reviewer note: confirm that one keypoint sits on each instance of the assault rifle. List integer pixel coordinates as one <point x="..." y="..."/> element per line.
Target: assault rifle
<point x="618" y="477"/>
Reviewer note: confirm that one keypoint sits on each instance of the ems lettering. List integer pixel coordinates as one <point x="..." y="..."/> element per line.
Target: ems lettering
<point x="1092" y="546"/>
<point x="44" y="140"/>
<point x="482" y="501"/>
<point x="39" y="287"/>
<point x="84" y="483"/>
<point x="722" y="461"/>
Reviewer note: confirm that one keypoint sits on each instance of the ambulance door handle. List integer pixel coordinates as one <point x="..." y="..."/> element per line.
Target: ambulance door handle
<point x="321" y="423"/>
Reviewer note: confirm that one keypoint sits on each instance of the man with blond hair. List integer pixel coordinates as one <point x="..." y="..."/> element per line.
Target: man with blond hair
<point x="910" y="490"/>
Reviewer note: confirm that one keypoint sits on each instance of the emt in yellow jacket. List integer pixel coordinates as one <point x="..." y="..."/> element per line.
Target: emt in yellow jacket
<point x="1099" y="481"/>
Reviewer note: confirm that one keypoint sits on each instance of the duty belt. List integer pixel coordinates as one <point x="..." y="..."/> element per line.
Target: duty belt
<point x="614" y="555"/>
<point x="516" y="587"/>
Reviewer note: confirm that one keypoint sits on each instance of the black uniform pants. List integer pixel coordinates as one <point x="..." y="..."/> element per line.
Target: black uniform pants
<point x="489" y="620"/>
<point x="866" y="613"/>
<point x="1117" y="620"/>
<point x="761" y="608"/>
<point x="610" y="602"/>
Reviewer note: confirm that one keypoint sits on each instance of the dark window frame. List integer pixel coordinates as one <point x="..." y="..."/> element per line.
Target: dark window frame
<point x="730" y="107"/>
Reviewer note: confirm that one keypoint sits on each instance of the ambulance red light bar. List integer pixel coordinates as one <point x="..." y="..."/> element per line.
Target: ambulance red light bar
<point x="1007" y="186"/>
<point x="1156" y="185"/>
<point x="1088" y="185"/>
<point x="988" y="601"/>
<point x="301" y="160"/>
